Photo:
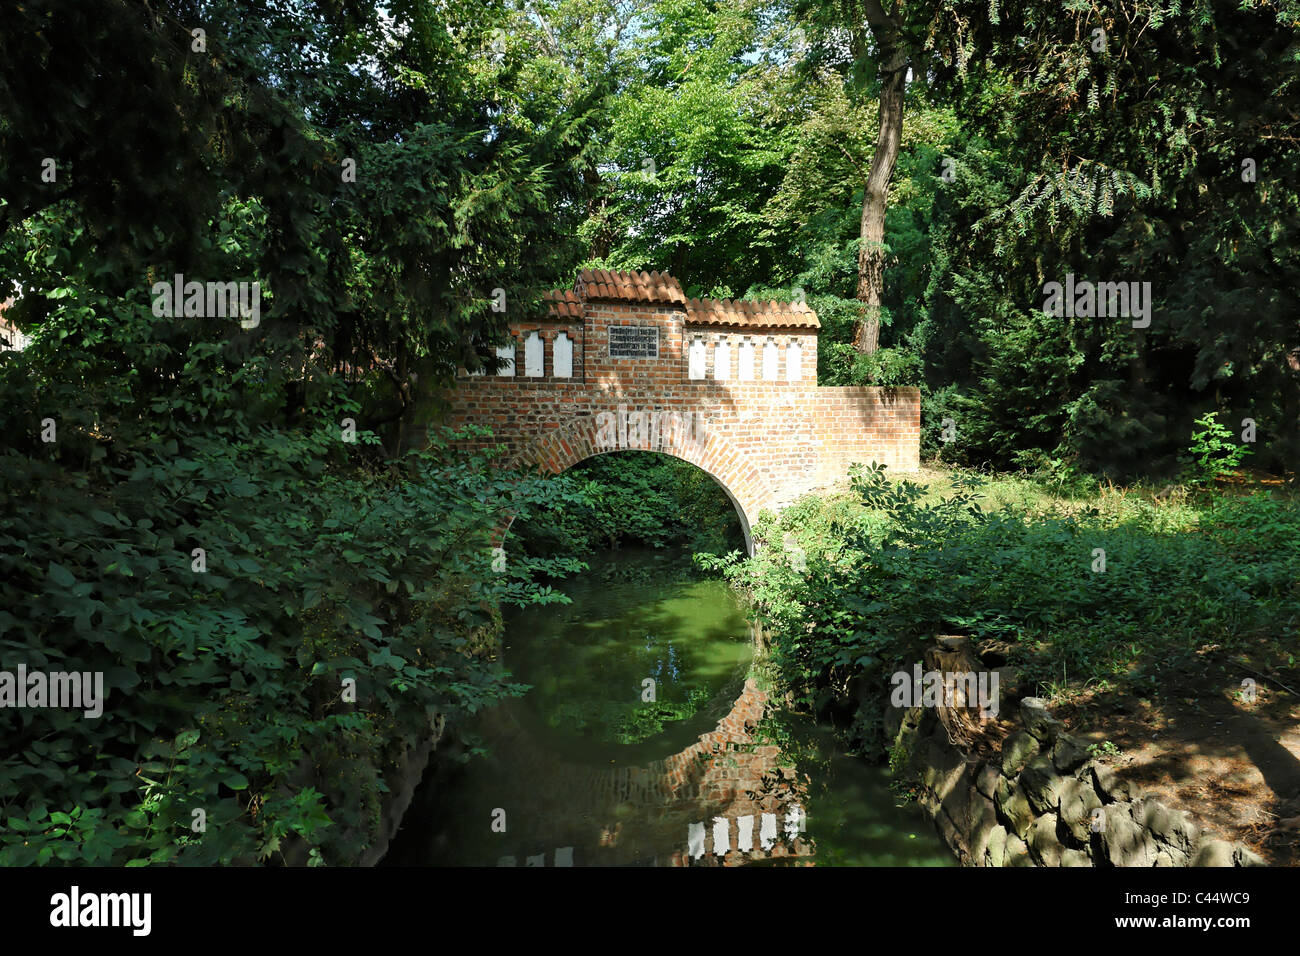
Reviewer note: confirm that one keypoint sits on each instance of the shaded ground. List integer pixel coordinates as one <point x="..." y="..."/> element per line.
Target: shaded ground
<point x="1206" y="747"/>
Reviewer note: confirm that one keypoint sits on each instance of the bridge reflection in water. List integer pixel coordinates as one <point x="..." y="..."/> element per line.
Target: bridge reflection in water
<point x="726" y="785"/>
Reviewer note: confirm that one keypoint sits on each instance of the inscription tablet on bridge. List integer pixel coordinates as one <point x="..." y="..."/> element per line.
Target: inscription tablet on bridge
<point x="633" y="341"/>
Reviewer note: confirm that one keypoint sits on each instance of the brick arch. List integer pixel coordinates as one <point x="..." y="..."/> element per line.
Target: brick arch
<point x="563" y="447"/>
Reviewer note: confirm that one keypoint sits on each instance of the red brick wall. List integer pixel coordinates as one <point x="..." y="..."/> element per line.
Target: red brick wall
<point x="765" y="442"/>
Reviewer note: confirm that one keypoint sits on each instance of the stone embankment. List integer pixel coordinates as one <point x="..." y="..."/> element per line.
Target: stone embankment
<point x="1040" y="800"/>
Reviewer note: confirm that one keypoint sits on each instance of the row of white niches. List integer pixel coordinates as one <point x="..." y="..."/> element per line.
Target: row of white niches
<point x="795" y="823"/>
<point x="698" y="353"/>
<point x="535" y="357"/>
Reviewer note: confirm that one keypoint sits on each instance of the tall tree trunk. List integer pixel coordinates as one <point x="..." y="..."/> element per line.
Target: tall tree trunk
<point x="600" y="242"/>
<point x="892" y="72"/>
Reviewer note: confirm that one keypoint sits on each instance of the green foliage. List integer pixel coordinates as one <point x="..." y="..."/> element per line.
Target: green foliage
<point x="1152" y="181"/>
<point x="886" y="570"/>
<point x="1213" y="453"/>
<point x="323" y="560"/>
<point x="1025" y="156"/>
<point x="885" y="367"/>
<point x="317" y="568"/>
<point x="1104" y="749"/>
<point x="634" y="497"/>
<point x="465" y="175"/>
<point x="688" y="152"/>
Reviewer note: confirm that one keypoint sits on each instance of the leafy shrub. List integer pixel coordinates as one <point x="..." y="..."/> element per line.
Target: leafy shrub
<point x="321" y="560"/>
<point x="1213" y="453"/>
<point x="883" y="573"/>
<point x="223" y="686"/>
<point x="634" y="497"/>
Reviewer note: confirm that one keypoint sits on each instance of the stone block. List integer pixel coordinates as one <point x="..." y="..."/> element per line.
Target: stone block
<point x="1042" y="784"/>
<point x="1042" y="725"/>
<point x="1214" y="852"/>
<point x="1244" y="857"/>
<point x="1072" y="857"/>
<point x="983" y="824"/>
<point x="957" y="802"/>
<point x="1078" y="800"/>
<point x="1068" y="754"/>
<point x="986" y="781"/>
<point x="1017" y="750"/>
<point x="1043" y="844"/>
<point x="1124" y="841"/>
<point x="1013" y="808"/>
<point x="1017" y="852"/>
<point x="948" y="832"/>
<point x="942" y="766"/>
<point x="995" y="851"/>
<point x="1109" y="786"/>
<point x="1173" y="831"/>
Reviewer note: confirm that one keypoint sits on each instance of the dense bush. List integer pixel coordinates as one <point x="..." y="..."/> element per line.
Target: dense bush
<point x="183" y="506"/>
<point x="635" y="497"/>
<point x="222" y="683"/>
<point x="855" y="587"/>
<point x="224" y="669"/>
<point x="189" y="510"/>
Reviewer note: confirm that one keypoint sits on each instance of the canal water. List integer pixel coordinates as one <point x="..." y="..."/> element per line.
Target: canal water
<point x="648" y="738"/>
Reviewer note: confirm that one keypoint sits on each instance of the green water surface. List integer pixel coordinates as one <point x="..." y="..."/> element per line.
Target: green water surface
<point x="568" y="764"/>
<point x="642" y="662"/>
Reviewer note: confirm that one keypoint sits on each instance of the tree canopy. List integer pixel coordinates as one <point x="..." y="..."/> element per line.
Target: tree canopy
<point x="223" y="514"/>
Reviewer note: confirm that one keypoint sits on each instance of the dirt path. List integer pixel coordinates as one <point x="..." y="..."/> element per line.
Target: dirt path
<point x="1206" y="747"/>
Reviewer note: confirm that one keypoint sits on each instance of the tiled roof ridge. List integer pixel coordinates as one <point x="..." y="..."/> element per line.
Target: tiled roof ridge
<point x="660" y="287"/>
<point x="564" y="303"/>
<point x="629" y="286"/>
<point x="751" y="313"/>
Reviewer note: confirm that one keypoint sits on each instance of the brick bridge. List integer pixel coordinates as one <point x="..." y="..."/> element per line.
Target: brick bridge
<point x="625" y="361"/>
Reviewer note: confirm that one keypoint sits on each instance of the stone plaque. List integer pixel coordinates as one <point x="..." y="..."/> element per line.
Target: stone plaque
<point x="633" y="341"/>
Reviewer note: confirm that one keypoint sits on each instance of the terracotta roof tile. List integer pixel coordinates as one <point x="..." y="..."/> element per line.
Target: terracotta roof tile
<point x="751" y="315"/>
<point x="661" y="288"/>
<point x="565" y="304"/>
<point x="652" y="287"/>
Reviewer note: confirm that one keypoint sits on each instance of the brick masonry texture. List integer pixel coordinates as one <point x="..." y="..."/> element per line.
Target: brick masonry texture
<point x="765" y="442"/>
